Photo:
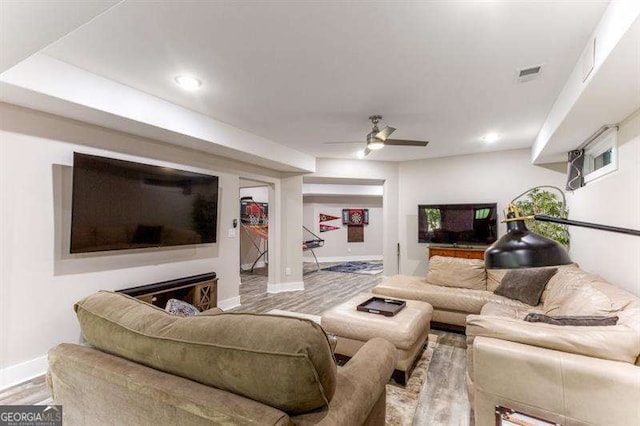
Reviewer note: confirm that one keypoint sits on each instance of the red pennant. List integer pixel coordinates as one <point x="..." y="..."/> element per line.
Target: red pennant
<point x="327" y="217"/>
<point x="325" y="228"/>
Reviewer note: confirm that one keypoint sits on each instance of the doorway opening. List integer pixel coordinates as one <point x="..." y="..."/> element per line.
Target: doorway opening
<point x="347" y="214"/>
<point x="254" y="227"/>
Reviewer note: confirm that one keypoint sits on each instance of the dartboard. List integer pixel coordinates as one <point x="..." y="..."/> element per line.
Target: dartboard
<point x="356" y="218"/>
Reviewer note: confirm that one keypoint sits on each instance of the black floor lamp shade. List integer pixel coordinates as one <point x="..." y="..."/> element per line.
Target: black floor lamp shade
<point x="521" y="248"/>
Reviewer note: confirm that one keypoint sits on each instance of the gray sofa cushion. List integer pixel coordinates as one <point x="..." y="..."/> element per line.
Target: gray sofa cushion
<point x="525" y="285"/>
<point x="585" y="320"/>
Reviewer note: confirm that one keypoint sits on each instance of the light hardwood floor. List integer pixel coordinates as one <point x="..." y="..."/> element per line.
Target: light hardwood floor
<point x="443" y="400"/>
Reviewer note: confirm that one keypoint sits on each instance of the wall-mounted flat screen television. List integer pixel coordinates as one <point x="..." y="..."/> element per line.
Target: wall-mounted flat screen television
<point x="119" y="205"/>
<point x="464" y="224"/>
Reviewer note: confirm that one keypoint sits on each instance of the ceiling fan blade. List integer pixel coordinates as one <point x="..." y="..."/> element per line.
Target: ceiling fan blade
<point x="339" y="143"/>
<point x="400" y="142"/>
<point x="385" y="133"/>
<point x="367" y="151"/>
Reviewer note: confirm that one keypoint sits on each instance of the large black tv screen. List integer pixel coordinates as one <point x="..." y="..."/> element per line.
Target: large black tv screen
<point x="457" y="223"/>
<point x="120" y="205"/>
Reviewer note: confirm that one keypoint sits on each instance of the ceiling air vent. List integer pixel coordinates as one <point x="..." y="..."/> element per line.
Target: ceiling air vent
<point x="527" y="74"/>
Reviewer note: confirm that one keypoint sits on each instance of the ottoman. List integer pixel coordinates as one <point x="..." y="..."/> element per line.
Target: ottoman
<point x="408" y="331"/>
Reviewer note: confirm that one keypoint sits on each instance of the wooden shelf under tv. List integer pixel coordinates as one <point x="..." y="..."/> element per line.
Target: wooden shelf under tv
<point x="463" y="252"/>
<point x="199" y="290"/>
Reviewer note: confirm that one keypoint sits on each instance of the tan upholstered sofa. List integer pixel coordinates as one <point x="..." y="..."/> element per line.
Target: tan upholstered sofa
<point x="572" y="375"/>
<point x="146" y="366"/>
<point x="455" y="287"/>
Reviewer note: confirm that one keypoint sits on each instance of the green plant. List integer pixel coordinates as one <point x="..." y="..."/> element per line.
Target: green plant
<point x="544" y="202"/>
<point x="433" y="219"/>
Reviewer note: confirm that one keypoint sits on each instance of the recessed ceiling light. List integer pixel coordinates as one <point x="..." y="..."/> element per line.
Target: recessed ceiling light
<point x="360" y="154"/>
<point x="490" y="137"/>
<point x="188" y="82"/>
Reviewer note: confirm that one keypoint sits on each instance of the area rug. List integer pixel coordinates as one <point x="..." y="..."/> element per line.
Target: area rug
<point x="402" y="402"/>
<point x="365" y="268"/>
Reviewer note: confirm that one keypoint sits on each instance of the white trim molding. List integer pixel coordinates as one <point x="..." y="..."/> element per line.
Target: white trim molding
<point x="282" y="287"/>
<point x="230" y="303"/>
<point x="344" y="258"/>
<point x="20" y="373"/>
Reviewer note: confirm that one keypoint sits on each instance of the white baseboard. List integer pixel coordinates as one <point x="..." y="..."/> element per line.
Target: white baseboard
<point x="280" y="287"/>
<point x="343" y="258"/>
<point x="19" y="373"/>
<point x="247" y="266"/>
<point x="230" y="303"/>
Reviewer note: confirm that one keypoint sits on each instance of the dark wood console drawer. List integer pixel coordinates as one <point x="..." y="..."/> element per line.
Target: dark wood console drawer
<point x="467" y="253"/>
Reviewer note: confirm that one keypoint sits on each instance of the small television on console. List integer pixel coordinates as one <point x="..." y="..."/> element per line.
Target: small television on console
<point x="118" y="205"/>
<point x="458" y="224"/>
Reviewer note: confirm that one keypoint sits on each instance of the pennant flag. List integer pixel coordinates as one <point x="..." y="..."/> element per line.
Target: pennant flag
<point x="325" y="228"/>
<point x="327" y="217"/>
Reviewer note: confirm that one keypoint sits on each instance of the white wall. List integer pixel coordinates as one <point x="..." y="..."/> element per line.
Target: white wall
<point x="482" y="178"/>
<point x="336" y="248"/>
<point x="613" y="200"/>
<point x="260" y="194"/>
<point x="613" y="27"/>
<point x="333" y="189"/>
<point x="40" y="281"/>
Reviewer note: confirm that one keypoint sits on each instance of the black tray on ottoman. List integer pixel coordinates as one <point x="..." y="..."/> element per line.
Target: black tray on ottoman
<point x="382" y="306"/>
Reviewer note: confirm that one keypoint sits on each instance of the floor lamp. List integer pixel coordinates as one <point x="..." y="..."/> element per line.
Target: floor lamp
<point x="521" y="248"/>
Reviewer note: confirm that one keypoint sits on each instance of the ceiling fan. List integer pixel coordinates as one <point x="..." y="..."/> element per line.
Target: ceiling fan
<point x="378" y="139"/>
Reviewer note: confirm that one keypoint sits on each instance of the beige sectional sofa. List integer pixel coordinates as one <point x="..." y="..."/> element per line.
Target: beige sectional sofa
<point x="573" y="375"/>
<point x="147" y="367"/>
<point x="455" y="287"/>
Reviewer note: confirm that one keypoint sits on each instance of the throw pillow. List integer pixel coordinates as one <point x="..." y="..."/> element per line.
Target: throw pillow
<point x="181" y="308"/>
<point x="525" y="285"/>
<point x="584" y="320"/>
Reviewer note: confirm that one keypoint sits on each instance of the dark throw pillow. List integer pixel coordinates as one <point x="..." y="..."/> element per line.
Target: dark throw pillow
<point x="181" y="308"/>
<point x="525" y="285"/>
<point x="590" y="321"/>
<point x="146" y="234"/>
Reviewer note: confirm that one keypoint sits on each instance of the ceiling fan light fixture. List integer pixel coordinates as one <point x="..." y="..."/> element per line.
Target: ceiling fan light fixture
<point x="374" y="143"/>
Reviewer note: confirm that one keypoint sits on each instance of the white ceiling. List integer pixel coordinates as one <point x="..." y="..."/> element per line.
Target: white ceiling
<point x="28" y="26"/>
<point x="306" y="73"/>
